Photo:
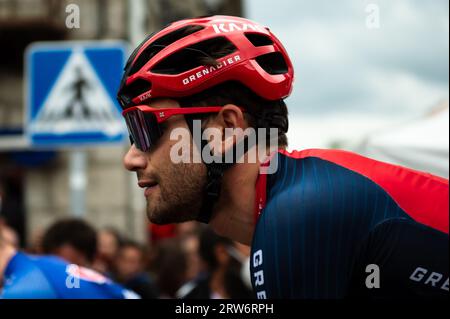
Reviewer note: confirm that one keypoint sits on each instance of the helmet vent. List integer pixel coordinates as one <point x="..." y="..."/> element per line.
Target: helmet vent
<point x="161" y="43"/>
<point x="258" y="40"/>
<point x="134" y="89"/>
<point x="273" y="63"/>
<point x="202" y="53"/>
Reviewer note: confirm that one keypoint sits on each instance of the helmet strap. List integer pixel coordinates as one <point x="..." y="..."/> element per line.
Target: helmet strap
<point x="215" y="171"/>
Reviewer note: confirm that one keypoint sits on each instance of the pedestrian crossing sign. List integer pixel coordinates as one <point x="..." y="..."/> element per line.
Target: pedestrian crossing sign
<point x="70" y="93"/>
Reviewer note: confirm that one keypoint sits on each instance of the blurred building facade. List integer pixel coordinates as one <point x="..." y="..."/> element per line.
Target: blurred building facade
<point x="34" y="187"/>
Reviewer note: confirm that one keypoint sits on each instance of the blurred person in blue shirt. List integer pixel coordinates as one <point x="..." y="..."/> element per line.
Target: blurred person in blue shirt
<point x="72" y="239"/>
<point x="25" y="276"/>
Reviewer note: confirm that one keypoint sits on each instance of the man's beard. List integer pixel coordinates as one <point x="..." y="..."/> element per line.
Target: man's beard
<point x="181" y="191"/>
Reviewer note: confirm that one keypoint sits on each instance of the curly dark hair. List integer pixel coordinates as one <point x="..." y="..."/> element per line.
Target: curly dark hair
<point x="74" y="232"/>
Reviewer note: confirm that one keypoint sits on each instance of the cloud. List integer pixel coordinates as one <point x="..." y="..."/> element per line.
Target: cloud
<point x="342" y="66"/>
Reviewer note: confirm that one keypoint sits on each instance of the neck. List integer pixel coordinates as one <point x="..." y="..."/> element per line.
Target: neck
<point x="6" y="253"/>
<point x="233" y="215"/>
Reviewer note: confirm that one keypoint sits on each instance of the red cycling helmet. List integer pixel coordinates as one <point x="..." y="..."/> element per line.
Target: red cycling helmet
<point x="166" y="63"/>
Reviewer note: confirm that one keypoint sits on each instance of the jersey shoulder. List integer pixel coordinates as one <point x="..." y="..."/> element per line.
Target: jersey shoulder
<point x="309" y="187"/>
<point x="422" y="196"/>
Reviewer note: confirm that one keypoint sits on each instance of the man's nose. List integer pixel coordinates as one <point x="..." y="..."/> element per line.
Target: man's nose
<point x="134" y="159"/>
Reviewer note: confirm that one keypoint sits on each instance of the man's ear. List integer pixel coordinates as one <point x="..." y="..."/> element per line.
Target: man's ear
<point x="232" y="117"/>
<point x="229" y="119"/>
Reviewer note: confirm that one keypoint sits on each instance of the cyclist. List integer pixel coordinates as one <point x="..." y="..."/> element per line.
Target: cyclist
<point x="324" y="223"/>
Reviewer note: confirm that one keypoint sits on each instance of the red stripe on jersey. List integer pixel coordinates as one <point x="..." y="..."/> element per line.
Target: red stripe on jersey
<point x="423" y="196"/>
<point x="261" y="188"/>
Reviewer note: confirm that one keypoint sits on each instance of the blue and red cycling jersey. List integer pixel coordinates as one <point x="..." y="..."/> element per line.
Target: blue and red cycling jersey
<point x="49" y="277"/>
<point x="326" y="218"/>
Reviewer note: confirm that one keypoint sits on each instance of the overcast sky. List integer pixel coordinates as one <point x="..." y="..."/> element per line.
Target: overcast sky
<point x="343" y="66"/>
<point x="351" y="80"/>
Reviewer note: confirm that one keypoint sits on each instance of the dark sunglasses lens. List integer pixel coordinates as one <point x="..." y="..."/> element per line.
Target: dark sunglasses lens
<point x="153" y="127"/>
<point x="143" y="129"/>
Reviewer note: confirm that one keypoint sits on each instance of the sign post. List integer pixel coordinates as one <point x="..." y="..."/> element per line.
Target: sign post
<point x="77" y="182"/>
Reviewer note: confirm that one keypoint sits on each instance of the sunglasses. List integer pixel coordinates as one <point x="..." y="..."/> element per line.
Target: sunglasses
<point x="145" y="123"/>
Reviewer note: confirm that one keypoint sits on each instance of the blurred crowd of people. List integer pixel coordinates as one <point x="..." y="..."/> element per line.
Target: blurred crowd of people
<point x="179" y="261"/>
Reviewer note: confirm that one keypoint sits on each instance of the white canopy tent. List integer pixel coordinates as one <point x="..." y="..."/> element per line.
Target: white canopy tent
<point x="422" y="144"/>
